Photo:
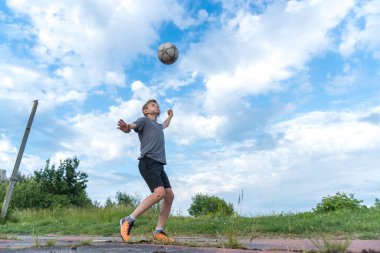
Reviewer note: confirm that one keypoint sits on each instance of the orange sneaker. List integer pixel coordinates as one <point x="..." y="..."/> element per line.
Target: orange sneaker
<point x="162" y="237"/>
<point x="125" y="229"/>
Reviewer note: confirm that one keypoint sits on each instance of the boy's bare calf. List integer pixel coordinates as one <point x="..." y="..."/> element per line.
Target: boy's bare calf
<point x="158" y="194"/>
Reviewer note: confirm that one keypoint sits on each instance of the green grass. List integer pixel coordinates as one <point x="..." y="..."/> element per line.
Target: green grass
<point x="362" y="224"/>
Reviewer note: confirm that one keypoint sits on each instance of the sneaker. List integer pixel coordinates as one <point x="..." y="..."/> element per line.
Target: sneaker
<point x="162" y="237"/>
<point x="125" y="229"/>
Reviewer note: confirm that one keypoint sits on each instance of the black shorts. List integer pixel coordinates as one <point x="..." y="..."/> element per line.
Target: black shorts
<point x="153" y="173"/>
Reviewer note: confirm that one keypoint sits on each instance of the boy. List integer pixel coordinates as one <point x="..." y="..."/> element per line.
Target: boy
<point x="151" y="165"/>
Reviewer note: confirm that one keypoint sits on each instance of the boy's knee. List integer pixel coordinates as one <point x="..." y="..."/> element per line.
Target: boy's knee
<point x="169" y="194"/>
<point x="159" y="193"/>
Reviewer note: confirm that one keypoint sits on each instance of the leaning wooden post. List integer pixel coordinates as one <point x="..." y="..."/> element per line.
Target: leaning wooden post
<point x="18" y="161"/>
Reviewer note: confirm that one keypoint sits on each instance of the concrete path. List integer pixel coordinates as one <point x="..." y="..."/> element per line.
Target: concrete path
<point x="66" y="244"/>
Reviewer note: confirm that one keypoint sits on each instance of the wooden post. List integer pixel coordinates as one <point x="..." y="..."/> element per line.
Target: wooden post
<point x="8" y="195"/>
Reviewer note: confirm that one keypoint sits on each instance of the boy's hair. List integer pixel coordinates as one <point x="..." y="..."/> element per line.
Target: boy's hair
<point x="146" y="105"/>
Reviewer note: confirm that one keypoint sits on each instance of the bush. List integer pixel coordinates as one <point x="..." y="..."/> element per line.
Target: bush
<point x="27" y="194"/>
<point x="339" y="201"/>
<point x="3" y="190"/>
<point x="209" y="205"/>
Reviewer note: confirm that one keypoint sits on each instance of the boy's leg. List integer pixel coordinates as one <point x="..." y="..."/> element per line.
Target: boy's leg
<point x="151" y="171"/>
<point x="155" y="197"/>
<point x="159" y="233"/>
<point x="165" y="208"/>
<point x="126" y="223"/>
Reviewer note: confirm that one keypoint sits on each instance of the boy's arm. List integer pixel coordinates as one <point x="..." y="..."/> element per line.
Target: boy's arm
<point x="126" y="128"/>
<point x="132" y="126"/>
<point x="168" y="119"/>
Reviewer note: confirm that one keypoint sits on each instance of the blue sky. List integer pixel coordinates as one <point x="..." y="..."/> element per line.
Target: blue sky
<point x="279" y="99"/>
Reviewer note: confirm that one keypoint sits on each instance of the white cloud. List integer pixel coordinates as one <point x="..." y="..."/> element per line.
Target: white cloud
<point x="190" y="127"/>
<point x="361" y="30"/>
<point x="349" y="39"/>
<point x="191" y="124"/>
<point x="336" y="132"/>
<point x="22" y="85"/>
<point x="31" y="163"/>
<point x="177" y="83"/>
<point x="8" y="154"/>
<point x="257" y="52"/>
<point x="111" y="34"/>
<point x="141" y="91"/>
<point x="369" y="37"/>
<point x="96" y="138"/>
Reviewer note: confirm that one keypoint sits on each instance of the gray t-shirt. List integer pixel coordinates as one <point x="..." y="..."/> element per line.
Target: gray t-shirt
<point x="152" y="141"/>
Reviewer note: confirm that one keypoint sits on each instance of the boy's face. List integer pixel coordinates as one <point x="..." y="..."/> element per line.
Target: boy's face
<point x="152" y="108"/>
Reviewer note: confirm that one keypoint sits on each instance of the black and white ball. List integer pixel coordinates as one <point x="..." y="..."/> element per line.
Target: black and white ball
<point x="167" y="53"/>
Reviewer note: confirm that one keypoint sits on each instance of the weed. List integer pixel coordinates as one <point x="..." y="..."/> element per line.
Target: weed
<point x="331" y="246"/>
<point x="233" y="231"/>
<point x="51" y="243"/>
<point x="85" y="242"/>
<point x="37" y="242"/>
<point x="233" y="243"/>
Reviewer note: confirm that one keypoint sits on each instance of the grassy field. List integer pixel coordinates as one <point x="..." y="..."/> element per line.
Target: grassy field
<point x="361" y="224"/>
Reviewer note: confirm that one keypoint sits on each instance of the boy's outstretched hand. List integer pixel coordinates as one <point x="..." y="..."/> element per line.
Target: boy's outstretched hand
<point x="168" y="119"/>
<point x="170" y="113"/>
<point x="123" y="126"/>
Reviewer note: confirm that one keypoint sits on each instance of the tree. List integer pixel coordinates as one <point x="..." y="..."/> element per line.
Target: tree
<point x="109" y="203"/>
<point x="377" y="203"/>
<point x="209" y="205"/>
<point x="123" y="199"/>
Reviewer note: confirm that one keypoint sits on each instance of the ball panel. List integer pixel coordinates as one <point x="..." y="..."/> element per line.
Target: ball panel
<point x="171" y="52"/>
<point x="167" y="53"/>
<point x="166" y="58"/>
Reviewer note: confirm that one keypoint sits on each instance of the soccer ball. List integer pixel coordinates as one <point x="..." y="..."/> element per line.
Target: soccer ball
<point x="167" y="53"/>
